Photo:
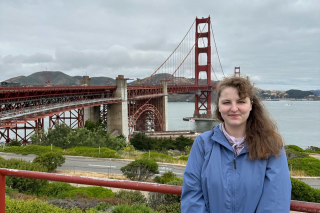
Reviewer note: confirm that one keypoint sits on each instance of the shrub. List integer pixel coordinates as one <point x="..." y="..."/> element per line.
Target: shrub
<point x="135" y="197"/>
<point x="167" y="177"/>
<point x="51" y="160"/>
<point x="142" y="142"/>
<point x="157" y="199"/>
<point x="172" y="208"/>
<point x="26" y="185"/>
<point x="294" y="148"/>
<point x="125" y="208"/>
<point x="86" y="192"/>
<point x="140" y="170"/>
<point x="313" y="149"/>
<point x="184" y="158"/>
<point x="303" y="192"/>
<point x="15" y="143"/>
<point x="54" y="189"/>
<point x="36" y="206"/>
<point x="293" y="151"/>
<point x="310" y="165"/>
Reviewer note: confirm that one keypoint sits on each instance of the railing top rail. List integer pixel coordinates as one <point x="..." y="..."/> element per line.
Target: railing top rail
<point x="151" y="187"/>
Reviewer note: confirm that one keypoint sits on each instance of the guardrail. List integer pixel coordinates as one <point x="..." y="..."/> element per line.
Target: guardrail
<point x="151" y="187"/>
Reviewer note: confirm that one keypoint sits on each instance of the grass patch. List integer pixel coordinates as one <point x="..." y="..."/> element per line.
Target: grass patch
<point x="75" y="151"/>
<point x="30" y="149"/>
<point x="92" y="152"/>
<point x="160" y="157"/>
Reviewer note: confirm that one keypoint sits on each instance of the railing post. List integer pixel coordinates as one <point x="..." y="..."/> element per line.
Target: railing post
<point x="2" y="194"/>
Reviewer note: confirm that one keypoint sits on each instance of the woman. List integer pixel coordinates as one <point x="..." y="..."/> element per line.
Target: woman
<point x="240" y="166"/>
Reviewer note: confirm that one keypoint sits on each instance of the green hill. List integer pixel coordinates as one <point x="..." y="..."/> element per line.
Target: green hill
<point x="58" y="78"/>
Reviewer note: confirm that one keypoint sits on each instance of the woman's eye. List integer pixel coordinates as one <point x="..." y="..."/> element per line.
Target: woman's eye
<point x="241" y="102"/>
<point x="225" y="102"/>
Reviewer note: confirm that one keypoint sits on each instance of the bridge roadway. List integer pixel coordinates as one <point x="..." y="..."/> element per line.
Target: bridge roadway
<point x="113" y="166"/>
<point x="21" y="104"/>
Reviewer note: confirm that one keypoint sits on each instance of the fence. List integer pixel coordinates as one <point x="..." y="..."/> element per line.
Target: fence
<point x="151" y="187"/>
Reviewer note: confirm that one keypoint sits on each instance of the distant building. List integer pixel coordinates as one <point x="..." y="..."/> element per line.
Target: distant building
<point x="10" y="84"/>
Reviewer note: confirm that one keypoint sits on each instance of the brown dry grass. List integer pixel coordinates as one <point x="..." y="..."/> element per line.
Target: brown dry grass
<point x="91" y="174"/>
<point x="298" y="173"/>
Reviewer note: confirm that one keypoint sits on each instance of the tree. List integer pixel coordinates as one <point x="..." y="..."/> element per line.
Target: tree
<point x="51" y="160"/>
<point x="58" y="136"/>
<point x="140" y="170"/>
<point x="38" y="137"/>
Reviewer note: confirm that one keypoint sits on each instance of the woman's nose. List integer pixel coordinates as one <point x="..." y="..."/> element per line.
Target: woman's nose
<point x="234" y="107"/>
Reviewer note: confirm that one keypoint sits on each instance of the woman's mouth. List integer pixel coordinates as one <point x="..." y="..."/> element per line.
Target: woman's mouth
<point x="234" y="115"/>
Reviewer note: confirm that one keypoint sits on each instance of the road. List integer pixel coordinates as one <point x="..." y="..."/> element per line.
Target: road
<point x="103" y="165"/>
<point x="113" y="166"/>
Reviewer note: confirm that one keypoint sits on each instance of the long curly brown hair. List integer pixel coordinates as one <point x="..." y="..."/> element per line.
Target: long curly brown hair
<point x="262" y="135"/>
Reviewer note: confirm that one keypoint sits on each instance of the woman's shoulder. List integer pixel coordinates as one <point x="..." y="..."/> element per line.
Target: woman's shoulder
<point x="208" y="135"/>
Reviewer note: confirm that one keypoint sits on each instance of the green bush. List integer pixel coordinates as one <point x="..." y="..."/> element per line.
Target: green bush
<point x="135" y="197"/>
<point x="294" y="148"/>
<point x="313" y="149"/>
<point x="15" y="143"/>
<point x="140" y="170"/>
<point x="125" y="208"/>
<point x="184" y="158"/>
<point x="53" y="190"/>
<point x="36" y="206"/>
<point x="293" y="151"/>
<point x="303" y="192"/>
<point x="142" y="142"/>
<point x="155" y="200"/>
<point x="172" y="208"/>
<point x="310" y="165"/>
<point x="51" y="160"/>
<point x="86" y="192"/>
<point x="26" y="185"/>
<point x="167" y="177"/>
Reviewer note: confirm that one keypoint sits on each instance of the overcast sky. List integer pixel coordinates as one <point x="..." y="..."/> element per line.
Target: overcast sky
<point x="276" y="43"/>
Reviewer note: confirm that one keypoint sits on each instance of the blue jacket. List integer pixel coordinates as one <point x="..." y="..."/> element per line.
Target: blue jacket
<point x="216" y="181"/>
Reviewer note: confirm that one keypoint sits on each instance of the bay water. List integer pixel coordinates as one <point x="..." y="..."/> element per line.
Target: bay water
<point x="298" y="121"/>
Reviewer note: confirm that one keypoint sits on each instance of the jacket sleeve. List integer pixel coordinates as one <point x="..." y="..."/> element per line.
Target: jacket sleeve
<point x="276" y="194"/>
<point x="192" y="199"/>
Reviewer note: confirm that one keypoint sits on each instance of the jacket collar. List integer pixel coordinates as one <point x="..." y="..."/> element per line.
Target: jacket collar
<point x="219" y="137"/>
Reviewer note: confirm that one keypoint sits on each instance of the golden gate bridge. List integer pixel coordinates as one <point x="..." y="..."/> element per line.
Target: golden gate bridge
<point x="124" y="108"/>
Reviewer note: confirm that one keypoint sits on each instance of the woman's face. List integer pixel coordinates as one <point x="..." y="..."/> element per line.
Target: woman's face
<point x="234" y="110"/>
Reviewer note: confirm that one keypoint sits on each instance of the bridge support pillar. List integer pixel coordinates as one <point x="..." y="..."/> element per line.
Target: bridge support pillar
<point x="203" y="99"/>
<point x="165" y="106"/>
<point x="92" y="113"/>
<point x="118" y="112"/>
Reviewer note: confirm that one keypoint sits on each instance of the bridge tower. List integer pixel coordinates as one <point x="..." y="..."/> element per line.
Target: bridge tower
<point x="203" y="98"/>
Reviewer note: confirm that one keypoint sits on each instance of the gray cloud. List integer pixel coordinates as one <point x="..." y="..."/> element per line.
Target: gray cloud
<point x="277" y="43"/>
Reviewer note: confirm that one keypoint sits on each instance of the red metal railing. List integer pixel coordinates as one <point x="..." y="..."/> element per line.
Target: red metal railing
<point x="151" y="187"/>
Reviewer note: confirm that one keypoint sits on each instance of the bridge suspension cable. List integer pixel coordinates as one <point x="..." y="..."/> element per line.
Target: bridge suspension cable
<point x="172" y="54"/>
<point x="201" y="31"/>
<point x="214" y="40"/>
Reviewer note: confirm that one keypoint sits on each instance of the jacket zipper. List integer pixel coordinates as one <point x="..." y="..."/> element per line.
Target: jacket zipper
<point x="234" y="184"/>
